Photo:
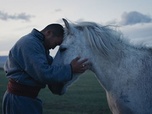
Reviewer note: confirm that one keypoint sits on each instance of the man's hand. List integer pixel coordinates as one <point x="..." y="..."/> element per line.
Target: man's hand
<point x="79" y="66"/>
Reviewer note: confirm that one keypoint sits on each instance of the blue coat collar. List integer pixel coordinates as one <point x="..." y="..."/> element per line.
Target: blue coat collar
<point x="38" y="34"/>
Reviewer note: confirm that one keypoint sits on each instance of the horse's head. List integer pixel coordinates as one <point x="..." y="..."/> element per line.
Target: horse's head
<point x="73" y="45"/>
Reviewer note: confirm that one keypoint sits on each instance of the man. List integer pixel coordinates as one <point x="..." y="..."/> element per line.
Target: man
<point x="29" y="69"/>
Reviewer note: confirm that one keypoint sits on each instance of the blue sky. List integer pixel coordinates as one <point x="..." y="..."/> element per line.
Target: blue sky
<point x="19" y="17"/>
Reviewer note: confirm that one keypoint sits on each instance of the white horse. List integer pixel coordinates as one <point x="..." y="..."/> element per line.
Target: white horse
<point x="123" y="70"/>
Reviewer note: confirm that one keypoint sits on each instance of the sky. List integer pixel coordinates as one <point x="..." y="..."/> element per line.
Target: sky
<point x="19" y="17"/>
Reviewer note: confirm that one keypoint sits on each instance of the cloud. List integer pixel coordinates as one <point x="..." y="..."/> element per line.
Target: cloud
<point x="131" y="18"/>
<point x="79" y="20"/>
<point x="138" y="33"/>
<point x="58" y="10"/>
<point x="136" y="27"/>
<point x="134" y="17"/>
<point x="21" y="16"/>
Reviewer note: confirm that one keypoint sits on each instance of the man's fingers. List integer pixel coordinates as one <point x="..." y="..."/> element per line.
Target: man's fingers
<point x="79" y="66"/>
<point x="83" y="61"/>
<point x="77" y="58"/>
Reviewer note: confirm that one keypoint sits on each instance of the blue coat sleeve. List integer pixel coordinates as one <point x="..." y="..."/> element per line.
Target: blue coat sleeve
<point x="31" y="56"/>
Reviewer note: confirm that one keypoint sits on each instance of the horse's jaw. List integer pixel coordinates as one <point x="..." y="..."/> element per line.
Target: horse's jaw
<point x="75" y="77"/>
<point x="69" y="83"/>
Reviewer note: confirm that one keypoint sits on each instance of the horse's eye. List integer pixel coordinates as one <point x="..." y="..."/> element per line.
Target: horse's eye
<point x="62" y="49"/>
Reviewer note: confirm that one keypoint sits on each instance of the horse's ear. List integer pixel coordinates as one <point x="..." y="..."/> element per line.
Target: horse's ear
<point x="67" y="25"/>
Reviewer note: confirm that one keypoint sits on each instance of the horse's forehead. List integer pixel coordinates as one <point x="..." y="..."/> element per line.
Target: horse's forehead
<point x="72" y="38"/>
<point x="67" y="40"/>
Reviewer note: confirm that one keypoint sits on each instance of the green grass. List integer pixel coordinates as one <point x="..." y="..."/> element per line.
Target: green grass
<point x="3" y="85"/>
<point x="85" y="96"/>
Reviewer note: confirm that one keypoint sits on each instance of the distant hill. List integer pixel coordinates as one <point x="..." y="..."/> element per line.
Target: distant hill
<point x="2" y="61"/>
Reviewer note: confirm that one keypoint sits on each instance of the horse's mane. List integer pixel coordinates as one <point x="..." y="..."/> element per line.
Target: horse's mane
<point x="104" y="39"/>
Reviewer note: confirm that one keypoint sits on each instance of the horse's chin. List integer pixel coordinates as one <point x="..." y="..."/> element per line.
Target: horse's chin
<point x="69" y="83"/>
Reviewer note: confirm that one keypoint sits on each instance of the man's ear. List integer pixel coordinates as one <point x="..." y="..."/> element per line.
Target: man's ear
<point x="49" y="33"/>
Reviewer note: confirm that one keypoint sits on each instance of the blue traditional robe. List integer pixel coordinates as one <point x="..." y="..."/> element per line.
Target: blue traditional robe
<point x="29" y="63"/>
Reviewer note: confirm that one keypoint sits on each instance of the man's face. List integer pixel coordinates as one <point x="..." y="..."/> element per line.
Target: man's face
<point x="52" y="41"/>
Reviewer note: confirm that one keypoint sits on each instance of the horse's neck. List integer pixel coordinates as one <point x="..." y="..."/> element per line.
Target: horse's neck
<point x="100" y="67"/>
<point x="106" y="69"/>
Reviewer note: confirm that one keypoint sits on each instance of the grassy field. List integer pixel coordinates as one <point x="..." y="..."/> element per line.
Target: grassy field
<point x="85" y="96"/>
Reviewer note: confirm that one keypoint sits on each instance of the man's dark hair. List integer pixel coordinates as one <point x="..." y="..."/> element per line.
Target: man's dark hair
<point x="57" y="29"/>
